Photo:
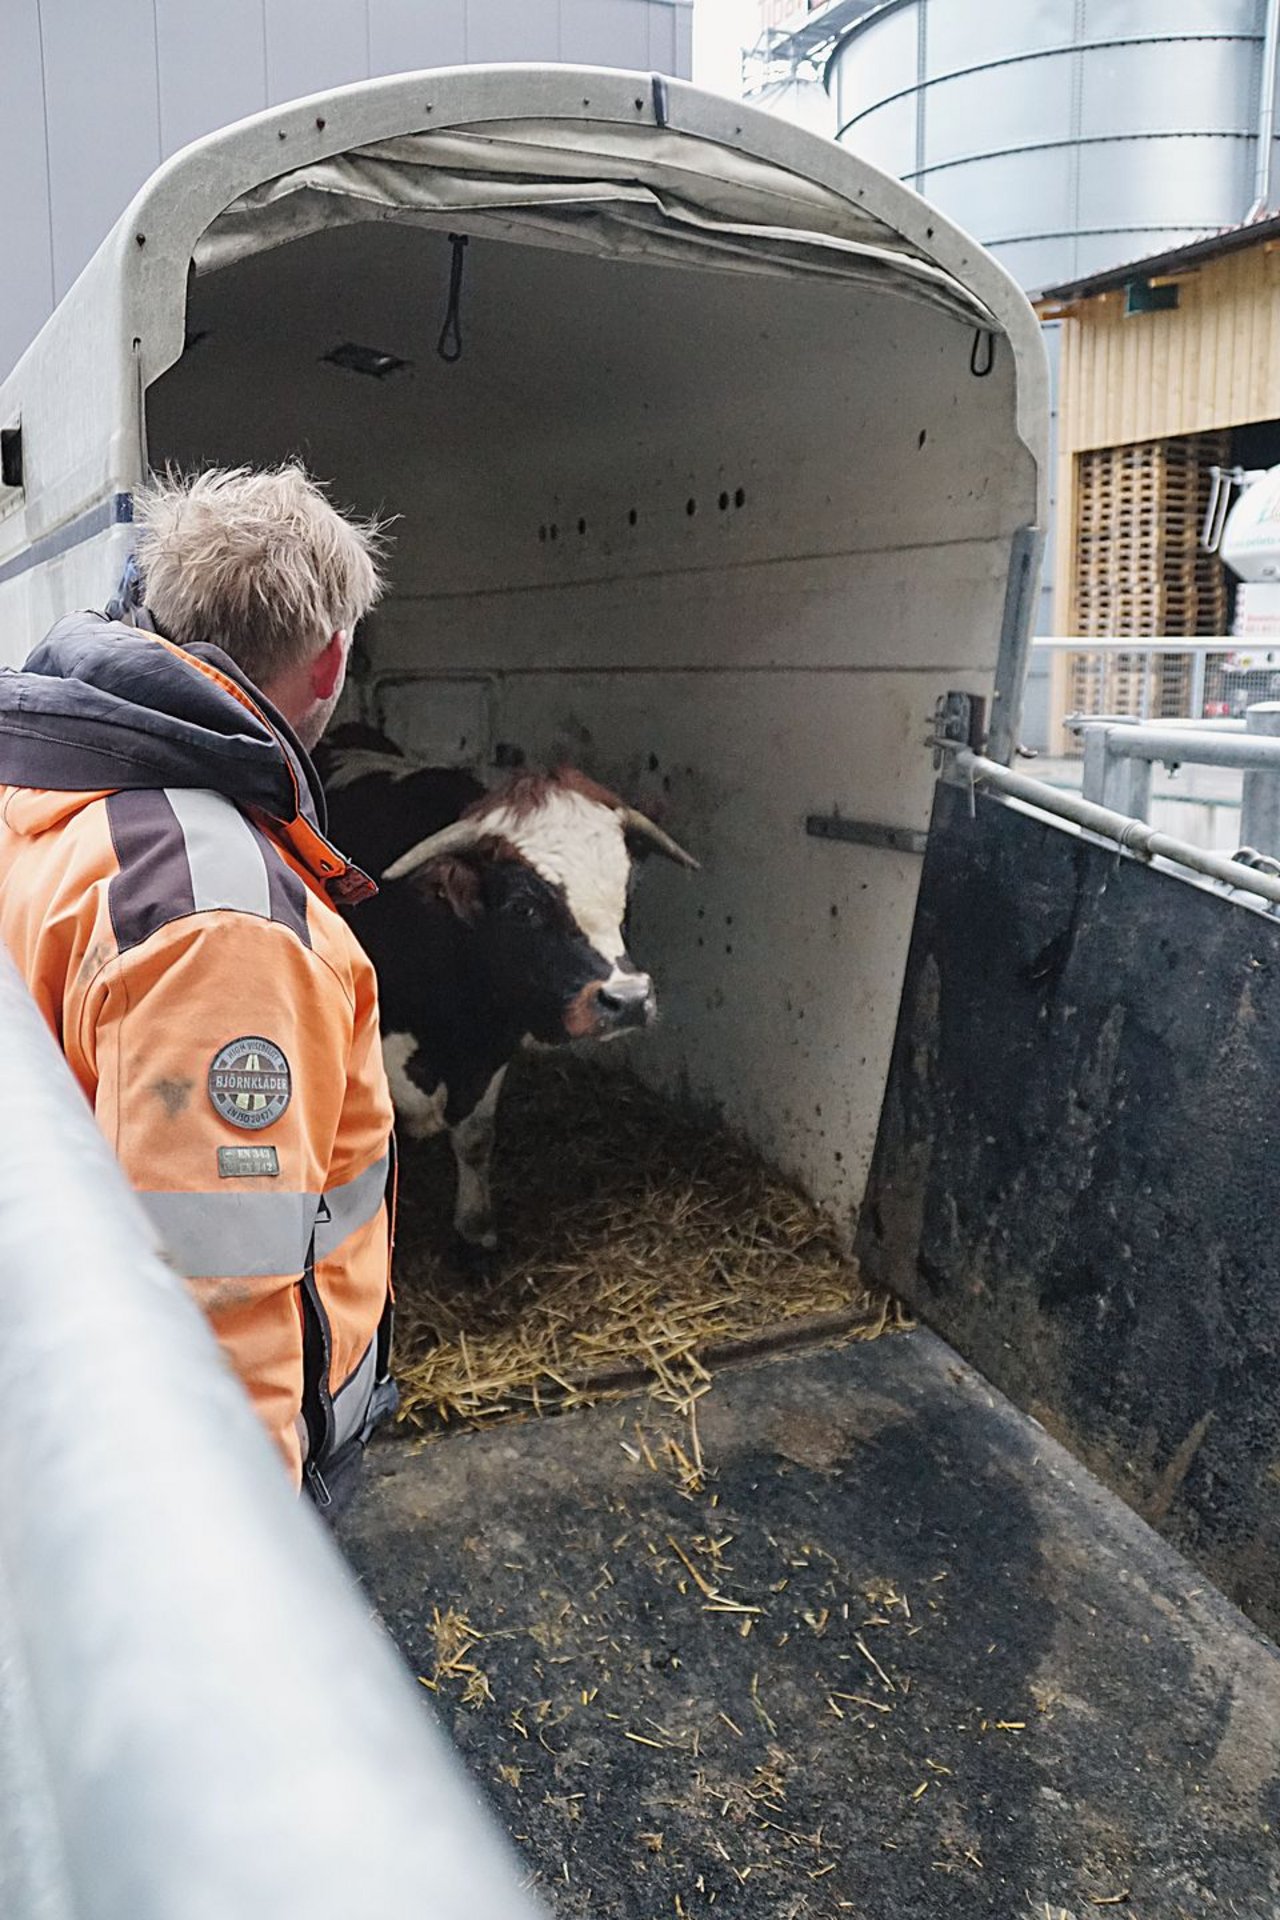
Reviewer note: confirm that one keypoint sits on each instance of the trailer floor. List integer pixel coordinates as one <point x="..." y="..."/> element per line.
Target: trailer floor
<point x="976" y="1683"/>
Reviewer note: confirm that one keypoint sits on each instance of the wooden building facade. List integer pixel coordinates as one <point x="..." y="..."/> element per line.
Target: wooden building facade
<point x="1170" y="368"/>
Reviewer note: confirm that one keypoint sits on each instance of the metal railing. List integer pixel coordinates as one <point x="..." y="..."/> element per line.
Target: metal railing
<point x="967" y="767"/>
<point x="1162" y="678"/>
<point x="198" y="1720"/>
<point x="1119" y="755"/>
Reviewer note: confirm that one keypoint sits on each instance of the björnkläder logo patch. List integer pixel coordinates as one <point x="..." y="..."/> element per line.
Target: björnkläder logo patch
<point x="250" y="1083"/>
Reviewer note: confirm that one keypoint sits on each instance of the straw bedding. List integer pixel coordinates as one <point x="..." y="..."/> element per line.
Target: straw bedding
<point x="638" y="1242"/>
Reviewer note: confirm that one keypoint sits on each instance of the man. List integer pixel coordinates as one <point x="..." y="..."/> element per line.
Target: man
<point x="168" y="893"/>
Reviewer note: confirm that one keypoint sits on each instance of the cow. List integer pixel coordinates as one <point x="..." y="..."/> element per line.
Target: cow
<point x="499" y="922"/>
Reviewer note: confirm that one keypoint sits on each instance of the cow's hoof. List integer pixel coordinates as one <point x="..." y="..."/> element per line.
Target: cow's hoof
<point x="476" y="1261"/>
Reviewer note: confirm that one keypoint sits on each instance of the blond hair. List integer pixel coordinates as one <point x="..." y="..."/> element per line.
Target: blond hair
<point x="257" y="563"/>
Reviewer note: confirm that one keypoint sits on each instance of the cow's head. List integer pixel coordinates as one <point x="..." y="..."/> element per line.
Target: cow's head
<point x="540" y="871"/>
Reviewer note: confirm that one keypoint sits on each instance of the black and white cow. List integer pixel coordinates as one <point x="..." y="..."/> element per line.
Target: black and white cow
<point x="499" y="921"/>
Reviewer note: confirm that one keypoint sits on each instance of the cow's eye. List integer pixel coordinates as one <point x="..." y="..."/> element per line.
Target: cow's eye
<point x="526" y="911"/>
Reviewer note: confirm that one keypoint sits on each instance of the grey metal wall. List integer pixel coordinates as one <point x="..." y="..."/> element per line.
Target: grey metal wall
<point x="1067" y="135"/>
<point x="93" y="97"/>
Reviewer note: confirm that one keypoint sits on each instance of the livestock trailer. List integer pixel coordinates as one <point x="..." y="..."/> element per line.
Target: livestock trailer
<point x="717" y="464"/>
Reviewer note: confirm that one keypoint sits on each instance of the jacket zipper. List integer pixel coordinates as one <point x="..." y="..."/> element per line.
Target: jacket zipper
<point x="317" y="1361"/>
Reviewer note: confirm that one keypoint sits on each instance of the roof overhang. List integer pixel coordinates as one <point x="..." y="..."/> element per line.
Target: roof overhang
<point x="1174" y="263"/>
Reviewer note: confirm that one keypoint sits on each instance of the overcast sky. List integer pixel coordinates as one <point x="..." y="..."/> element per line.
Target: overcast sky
<point x="721" y="29"/>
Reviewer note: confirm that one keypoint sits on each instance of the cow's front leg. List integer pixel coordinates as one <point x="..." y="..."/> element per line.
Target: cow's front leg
<point x="418" y="1096"/>
<point x="472" y="1141"/>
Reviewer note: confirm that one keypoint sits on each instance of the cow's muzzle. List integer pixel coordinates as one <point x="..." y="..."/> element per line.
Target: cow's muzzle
<point x="626" y="1000"/>
<point x="610" y="1007"/>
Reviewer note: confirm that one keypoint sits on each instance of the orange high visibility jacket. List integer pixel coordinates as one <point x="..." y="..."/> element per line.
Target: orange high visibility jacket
<point x="167" y="892"/>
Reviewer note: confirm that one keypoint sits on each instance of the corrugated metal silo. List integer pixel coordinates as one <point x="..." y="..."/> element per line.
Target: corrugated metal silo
<point x="1067" y="135"/>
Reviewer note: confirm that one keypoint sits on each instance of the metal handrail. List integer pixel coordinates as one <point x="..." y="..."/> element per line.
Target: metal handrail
<point x="1077" y="722"/>
<point x="1196" y="746"/>
<point x="1135" y="643"/>
<point x="1132" y="834"/>
<point x="197" y="1717"/>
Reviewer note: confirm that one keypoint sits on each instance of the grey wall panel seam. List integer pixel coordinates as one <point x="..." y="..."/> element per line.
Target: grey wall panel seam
<point x="48" y="164"/>
<point x="155" y="68"/>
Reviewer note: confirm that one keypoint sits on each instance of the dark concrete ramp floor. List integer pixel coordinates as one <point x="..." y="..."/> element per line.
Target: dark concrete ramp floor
<point x="900" y="1656"/>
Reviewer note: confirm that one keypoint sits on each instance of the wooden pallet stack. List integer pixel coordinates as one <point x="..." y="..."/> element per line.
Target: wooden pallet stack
<point x="1140" y="571"/>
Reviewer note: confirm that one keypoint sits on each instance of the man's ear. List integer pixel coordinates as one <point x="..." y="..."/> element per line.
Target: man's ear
<point x="328" y="666"/>
<point x="457" y="883"/>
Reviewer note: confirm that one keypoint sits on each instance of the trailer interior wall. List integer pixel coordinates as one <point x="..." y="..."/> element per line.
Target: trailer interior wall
<point x="720" y="539"/>
<point x="724" y="491"/>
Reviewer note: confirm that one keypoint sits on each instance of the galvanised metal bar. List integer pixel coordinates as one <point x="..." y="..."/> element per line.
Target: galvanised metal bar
<point x="1077" y="722"/>
<point x="1109" y="825"/>
<point x="202" y="1722"/>
<point x="1094" y="643"/>
<point x="1266" y="114"/>
<point x="1201" y="747"/>
<point x="1025" y="555"/>
<point x="1260" y="799"/>
<point x="1110" y="781"/>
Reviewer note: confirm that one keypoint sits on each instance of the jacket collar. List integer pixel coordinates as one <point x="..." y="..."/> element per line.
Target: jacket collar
<point x="103" y="705"/>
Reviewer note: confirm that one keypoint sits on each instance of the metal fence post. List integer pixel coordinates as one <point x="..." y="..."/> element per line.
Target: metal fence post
<point x="1260" y="803"/>
<point x="1124" y="785"/>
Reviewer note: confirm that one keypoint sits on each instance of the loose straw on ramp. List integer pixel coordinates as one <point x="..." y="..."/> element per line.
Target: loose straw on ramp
<point x="637" y="1242"/>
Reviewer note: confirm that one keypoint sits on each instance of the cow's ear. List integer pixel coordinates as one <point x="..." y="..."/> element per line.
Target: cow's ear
<point x="457" y="883"/>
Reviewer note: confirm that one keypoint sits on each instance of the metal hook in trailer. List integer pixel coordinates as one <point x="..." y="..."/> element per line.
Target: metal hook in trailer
<point x="196" y="1714"/>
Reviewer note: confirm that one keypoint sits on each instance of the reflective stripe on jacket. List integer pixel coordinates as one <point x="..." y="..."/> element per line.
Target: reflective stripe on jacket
<point x="212" y="1003"/>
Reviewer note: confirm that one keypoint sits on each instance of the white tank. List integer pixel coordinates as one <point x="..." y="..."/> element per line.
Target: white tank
<point x="1065" y="135"/>
<point x="1251" y="538"/>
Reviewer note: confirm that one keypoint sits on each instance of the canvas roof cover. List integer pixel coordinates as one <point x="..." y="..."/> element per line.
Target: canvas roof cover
<point x="648" y="193"/>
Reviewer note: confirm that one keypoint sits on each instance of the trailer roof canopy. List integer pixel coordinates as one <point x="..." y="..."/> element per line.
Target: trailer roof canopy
<point x="600" y="167"/>
<point x="639" y="192"/>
